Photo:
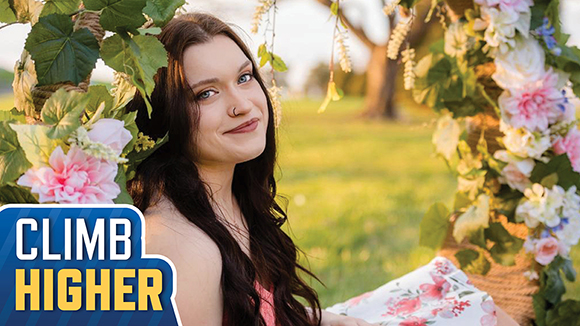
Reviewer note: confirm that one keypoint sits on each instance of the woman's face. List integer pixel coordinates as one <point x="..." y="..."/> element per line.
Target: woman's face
<point x="221" y="77"/>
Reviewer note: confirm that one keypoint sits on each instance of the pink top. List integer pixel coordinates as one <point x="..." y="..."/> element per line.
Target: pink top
<point x="266" y="305"/>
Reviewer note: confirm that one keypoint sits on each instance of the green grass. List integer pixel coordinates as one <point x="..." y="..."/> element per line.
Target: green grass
<point x="358" y="191"/>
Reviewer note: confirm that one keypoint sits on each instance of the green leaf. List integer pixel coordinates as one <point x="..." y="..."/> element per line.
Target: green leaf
<point x="408" y="3"/>
<point x="10" y="194"/>
<point x="564" y="313"/>
<point x="140" y="60"/>
<point x="562" y="167"/>
<point x="129" y="120"/>
<point x="474" y="218"/>
<point x="121" y="180"/>
<point x="478" y="238"/>
<point x="473" y="262"/>
<point x="568" y="269"/>
<point x="59" y="53"/>
<point x="12" y="115"/>
<point x="150" y="31"/>
<point x="262" y="50"/>
<point x="13" y="161"/>
<point x="264" y="59"/>
<point x="34" y="141"/>
<point x="540" y="306"/>
<point x="434" y="226"/>
<point x="550" y="180"/>
<point x="334" y="8"/>
<point x="96" y="95"/>
<point x="124" y="14"/>
<point x="63" y="112"/>
<point x="506" y="246"/>
<point x="278" y="64"/>
<point x="554" y="287"/>
<point x="65" y="7"/>
<point x="161" y="11"/>
<point x="7" y="15"/>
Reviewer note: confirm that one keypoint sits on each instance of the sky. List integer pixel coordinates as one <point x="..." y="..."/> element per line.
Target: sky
<point x="303" y="32"/>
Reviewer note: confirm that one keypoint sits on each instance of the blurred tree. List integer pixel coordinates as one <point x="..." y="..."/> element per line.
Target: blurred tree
<point x="381" y="73"/>
<point x="353" y="84"/>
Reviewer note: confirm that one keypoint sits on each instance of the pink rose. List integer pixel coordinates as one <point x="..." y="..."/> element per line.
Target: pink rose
<point x="535" y="105"/>
<point x="110" y="132"/>
<point x="571" y="146"/>
<point x="74" y="178"/>
<point x="545" y="250"/>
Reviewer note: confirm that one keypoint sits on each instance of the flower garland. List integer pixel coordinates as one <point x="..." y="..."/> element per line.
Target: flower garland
<point x="533" y="176"/>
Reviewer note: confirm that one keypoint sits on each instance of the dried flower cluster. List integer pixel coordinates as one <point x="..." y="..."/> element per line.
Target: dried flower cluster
<point x="397" y="38"/>
<point x="343" y="51"/>
<point x="408" y="57"/>
<point x="261" y="9"/>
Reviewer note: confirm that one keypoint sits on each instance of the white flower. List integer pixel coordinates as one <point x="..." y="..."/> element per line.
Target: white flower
<point x="554" y="202"/>
<point x="520" y="66"/>
<point x="571" y="204"/>
<point x="531" y="275"/>
<point x="476" y="216"/>
<point x="456" y="40"/>
<point x="569" y="232"/>
<point x="501" y="30"/>
<point x="531" y="209"/>
<point x="517" y="172"/>
<point x="524" y="143"/>
<point x="446" y="136"/>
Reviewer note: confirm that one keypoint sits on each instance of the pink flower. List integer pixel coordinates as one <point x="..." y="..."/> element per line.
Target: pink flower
<point x="444" y="267"/>
<point x="534" y="106"/>
<point x="110" y="132"/>
<point x="356" y="300"/>
<point x="74" y="178"/>
<point x="434" y="291"/>
<point x="571" y="146"/>
<point x="414" y="321"/>
<point x="515" y="6"/>
<point x="545" y="250"/>
<point x="490" y="318"/>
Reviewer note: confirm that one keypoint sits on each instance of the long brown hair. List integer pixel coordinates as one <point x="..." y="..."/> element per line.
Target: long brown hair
<point x="171" y="172"/>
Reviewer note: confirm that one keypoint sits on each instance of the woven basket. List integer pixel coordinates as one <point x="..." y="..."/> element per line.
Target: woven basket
<point x="458" y="7"/>
<point x="508" y="287"/>
<point x="40" y="94"/>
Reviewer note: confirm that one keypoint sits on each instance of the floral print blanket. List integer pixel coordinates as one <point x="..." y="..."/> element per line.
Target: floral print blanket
<point x="435" y="294"/>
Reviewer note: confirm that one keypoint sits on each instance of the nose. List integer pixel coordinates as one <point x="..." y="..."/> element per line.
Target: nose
<point x="239" y="100"/>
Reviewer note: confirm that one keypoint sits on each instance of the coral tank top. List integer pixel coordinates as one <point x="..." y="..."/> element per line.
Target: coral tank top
<point x="266" y="305"/>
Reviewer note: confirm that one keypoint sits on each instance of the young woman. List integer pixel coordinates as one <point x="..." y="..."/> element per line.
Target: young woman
<point x="208" y="194"/>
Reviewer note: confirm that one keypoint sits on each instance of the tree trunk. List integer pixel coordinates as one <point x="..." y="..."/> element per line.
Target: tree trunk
<point x="380" y="89"/>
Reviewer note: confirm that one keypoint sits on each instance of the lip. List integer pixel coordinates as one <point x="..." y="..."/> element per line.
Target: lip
<point x="247" y="126"/>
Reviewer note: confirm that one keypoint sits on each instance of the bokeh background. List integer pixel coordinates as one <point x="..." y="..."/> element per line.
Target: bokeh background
<point x="357" y="184"/>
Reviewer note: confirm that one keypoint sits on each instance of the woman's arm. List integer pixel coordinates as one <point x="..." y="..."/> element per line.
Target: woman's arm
<point x="503" y="319"/>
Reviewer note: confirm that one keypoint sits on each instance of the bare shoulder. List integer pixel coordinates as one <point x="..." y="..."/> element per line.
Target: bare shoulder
<point x="197" y="262"/>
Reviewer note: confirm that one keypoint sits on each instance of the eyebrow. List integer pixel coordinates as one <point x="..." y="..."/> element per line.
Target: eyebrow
<point x="215" y="80"/>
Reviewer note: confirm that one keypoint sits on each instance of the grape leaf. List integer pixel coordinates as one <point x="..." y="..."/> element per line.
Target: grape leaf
<point x="63" y="110"/>
<point x="13" y="162"/>
<point x="161" y="11"/>
<point x="434" y="226"/>
<point x="7" y="15"/>
<point x="59" y="53"/>
<point x="35" y="143"/>
<point x="66" y="7"/>
<point x="139" y="59"/>
<point x="125" y="14"/>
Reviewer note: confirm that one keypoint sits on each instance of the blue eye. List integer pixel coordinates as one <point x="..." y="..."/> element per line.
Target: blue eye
<point x="204" y="95"/>
<point x="245" y="78"/>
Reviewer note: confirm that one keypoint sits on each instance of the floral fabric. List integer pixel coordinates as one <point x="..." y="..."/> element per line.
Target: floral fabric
<point x="435" y="294"/>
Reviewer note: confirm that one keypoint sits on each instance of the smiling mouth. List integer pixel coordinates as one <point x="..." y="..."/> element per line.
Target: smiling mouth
<point x="245" y="128"/>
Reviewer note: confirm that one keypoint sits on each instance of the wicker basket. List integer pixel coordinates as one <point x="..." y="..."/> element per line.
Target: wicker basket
<point x="508" y="287"/>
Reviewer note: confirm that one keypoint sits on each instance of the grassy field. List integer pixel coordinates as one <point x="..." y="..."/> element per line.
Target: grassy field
<point x="357" y="191"/>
